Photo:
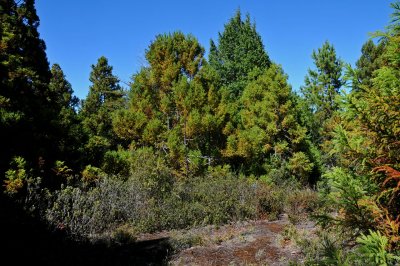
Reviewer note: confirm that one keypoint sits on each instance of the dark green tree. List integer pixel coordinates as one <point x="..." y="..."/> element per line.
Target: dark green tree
<point x="322" y="86"/>
<point x="66" y="124"/>
<point x="105" y="96"/>
<point x="26" y="103"/>
<point x="240" y="54"/>
<point x="369" y="61"/>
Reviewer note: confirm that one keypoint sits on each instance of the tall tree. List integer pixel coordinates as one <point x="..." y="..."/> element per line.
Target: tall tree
<point x="239" y="53"/>
<point x="269" y="136"/>
<point x="66" y="123"/>
<point x="25" y="100"/>
<point x="366" y="187"/>
<point x="173" y="104"/>
<point x="322" y="86"/>
<point x="369" y="61"/>
<point x="105" y="96"/>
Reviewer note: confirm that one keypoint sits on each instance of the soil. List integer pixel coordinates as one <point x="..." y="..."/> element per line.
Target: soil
<point x="250" y="243"/>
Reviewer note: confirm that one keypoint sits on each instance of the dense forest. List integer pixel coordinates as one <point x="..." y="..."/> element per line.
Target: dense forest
<point x="196" y="141"/>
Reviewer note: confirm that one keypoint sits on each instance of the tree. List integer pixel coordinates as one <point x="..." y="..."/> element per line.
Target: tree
<point x="320" y="103"/>
<point x="269" y="136"/>
<point x="25" y="99"/>
<point x="369" y="61"/>
<point x="105" y="96"/>
<point x="66" y="123"/>
<point x="173" y="104"/>
<point x="367" y="142"/>
<point x="240" y="54"/>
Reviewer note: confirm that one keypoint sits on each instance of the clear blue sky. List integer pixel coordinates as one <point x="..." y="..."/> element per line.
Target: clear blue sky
<point x="78" y="32"/>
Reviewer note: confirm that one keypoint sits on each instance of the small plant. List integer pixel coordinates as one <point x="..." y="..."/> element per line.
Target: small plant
<point x="16" y="176"/>
<point x="374" y="249"/>
<point x="91" y="174"/>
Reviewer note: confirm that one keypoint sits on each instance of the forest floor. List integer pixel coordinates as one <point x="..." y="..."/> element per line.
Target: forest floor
<point x="259" y="242"/>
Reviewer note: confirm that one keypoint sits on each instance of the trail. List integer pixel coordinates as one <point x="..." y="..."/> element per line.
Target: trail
<point x="252" y="243"/>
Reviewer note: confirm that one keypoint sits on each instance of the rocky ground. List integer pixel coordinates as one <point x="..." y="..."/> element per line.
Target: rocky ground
<point x="246" y="243"/>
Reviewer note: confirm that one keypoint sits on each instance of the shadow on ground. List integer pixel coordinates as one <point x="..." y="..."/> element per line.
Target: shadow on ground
<point x="27" y="241"/>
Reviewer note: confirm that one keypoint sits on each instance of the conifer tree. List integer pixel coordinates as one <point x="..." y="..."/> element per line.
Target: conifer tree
<point x="322" y="86"/>
<point x="26" y="103"/>
<point x="369" y="61"/>
<point x="173" y="104"/>
<point x="239" y="53"/>
<point x="66" y="124"/>
<point x="269" y="136"/>
<point x="105" y="96"/>
<point x="367" y="142"/>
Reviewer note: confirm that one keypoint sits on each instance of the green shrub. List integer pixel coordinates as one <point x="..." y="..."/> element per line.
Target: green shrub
<point x="374" y="249"/>
<point x="91" y="174"/>
<point x="16" y="176"/>
<point x="117" y="163"/>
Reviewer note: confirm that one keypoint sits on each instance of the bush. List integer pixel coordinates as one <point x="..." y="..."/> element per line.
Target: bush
<point x="117" y="163"/>
<point x="300" y="203"/>
<point x="16" y="176"/>
<point x="87" y="212"/>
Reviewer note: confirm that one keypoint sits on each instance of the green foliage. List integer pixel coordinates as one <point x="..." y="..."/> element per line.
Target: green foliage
<point x="173" y="105"/>
<point x="91" y="174"/>
<point x="26" y="103"/>
<point x="16" y="176"/>
<point x="269" y="128"/>
<point x="320" y="92"/>
<point x="105" y="96"/>
<point x="373" y="248"/>
<point x="150" y="170"/>
<point x="66" y="123"/>
<point x="369" y="61"/>
<point x="240" y="51"/>
<point x="348" y="193"/>
<point x="141" y="204"/>
<point x="88" y="212"/>
<point x="117" y="163"/>
<point x="62" y="170"/>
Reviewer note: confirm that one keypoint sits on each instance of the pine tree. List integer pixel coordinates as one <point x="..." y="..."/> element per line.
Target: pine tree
<point x="369" y="61"/>
<point x="25" y="100"/>
<point x="367" y="141"/>
<point x="173" y="104"/>
<point x="105" y="96"/>
<point x="66" y="124"/>
<point x="240" y="54"/>
<point x="322" y="86"/>
<point x="269" y="136"/>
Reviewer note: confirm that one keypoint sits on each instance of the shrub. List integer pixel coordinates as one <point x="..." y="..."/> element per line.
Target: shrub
<point x="117" y="163"/>
<point x="300" y="203"/>
<point x="16" y="176"/>
<point x="373" y="249"/>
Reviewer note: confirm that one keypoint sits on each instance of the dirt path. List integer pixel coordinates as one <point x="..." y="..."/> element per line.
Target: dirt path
<point x="252" y="243"/>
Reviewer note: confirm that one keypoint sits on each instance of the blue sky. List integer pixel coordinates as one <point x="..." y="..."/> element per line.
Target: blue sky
<point x="78" y="32"/>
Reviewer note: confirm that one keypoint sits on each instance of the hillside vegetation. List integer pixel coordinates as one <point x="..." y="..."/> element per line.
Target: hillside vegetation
<point x="196" y="141"/>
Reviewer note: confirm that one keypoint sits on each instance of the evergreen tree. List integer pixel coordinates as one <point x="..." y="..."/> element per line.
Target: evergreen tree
<point x="66" y="123"/>
<point x="269" y="136"/>
<point x="26" y="103"/>
<point x="173" y="104"/>
<point x="240" y="54"/>
<point x="369" y="61"/>
<point x="366" y="186"/>
<point x="105" y="96"/>
<point x="322" y="86"/>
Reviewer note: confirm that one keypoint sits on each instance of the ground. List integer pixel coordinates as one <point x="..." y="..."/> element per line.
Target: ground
<point x="245" y="243"/>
